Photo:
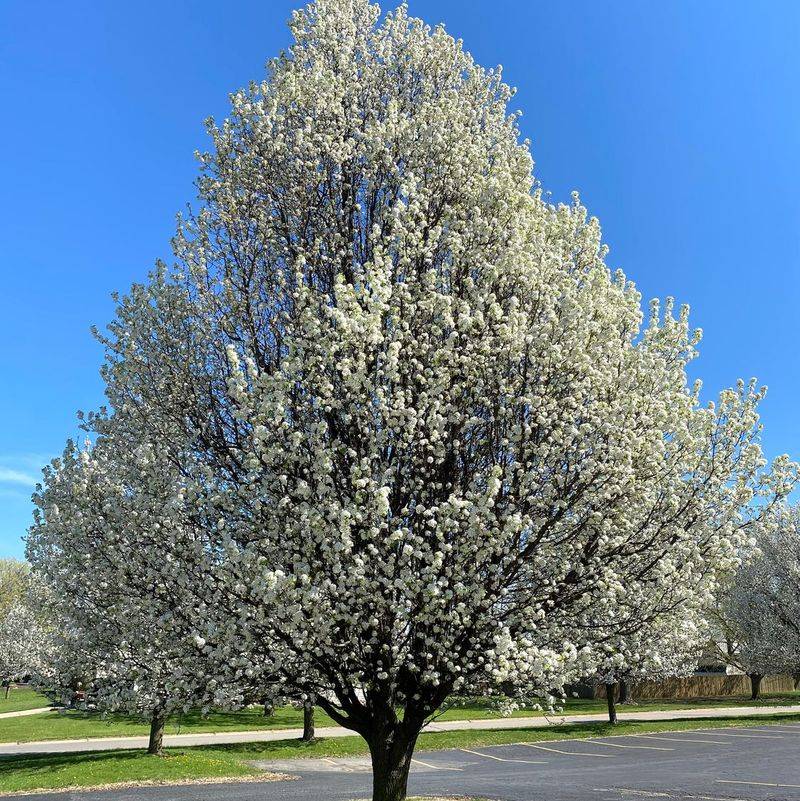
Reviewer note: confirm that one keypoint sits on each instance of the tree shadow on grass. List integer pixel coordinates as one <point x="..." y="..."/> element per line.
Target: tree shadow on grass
<point x="93" y="768"/>
<point x="296" y="746"/>
<point x="38" y="763"/>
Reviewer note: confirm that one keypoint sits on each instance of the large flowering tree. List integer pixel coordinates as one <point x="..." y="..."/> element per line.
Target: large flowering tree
<point x="428" y="444"/>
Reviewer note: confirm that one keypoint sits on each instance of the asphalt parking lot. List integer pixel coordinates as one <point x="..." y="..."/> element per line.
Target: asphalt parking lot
<point x="734" y="764"/>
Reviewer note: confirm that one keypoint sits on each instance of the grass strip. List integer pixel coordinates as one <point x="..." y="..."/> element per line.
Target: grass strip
<point x="76" y="725"/>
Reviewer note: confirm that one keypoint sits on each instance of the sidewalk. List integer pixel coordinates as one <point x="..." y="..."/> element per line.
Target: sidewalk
<point x="23" y="712"/>
<point x="270" y="735"/>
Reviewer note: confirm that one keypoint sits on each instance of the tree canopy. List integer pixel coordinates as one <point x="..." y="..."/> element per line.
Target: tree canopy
<point x="412" y="434"/>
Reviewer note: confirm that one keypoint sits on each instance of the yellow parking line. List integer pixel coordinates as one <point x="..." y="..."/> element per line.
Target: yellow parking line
<point x="569" y="753"/>
<point x="343" y="768"/>
<point x="429" y="765"/>
<point x="503" y="759"/>
<point x="755" y="784"/>
<point x="646" y="747"/>
<point x="679" y="739"/>
<point x="715" y="798"/>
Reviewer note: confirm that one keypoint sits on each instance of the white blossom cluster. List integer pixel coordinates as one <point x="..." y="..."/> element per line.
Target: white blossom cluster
<point x="667" y="647"/>
<point x="391" y="429"/>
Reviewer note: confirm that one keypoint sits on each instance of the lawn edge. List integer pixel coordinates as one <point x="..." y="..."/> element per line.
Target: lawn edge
<point x="269" y="776"/>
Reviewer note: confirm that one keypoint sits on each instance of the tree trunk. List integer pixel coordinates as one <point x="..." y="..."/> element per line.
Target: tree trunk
<point x="755" y="685"/>
<point x="624" y="694"/>
<point x="391" y="760"/>
<point x="269" y="709"/>
<point x="8" y="688"/>
<point x="308" y="720"/>
<point x="612" y="707"/>
<point x="796" y="680"/>
<point x="156" y="744"/>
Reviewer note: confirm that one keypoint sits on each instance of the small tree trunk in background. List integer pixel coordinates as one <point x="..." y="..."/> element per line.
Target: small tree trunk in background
<point x="612" y="707"/>
<point x="8" y="688"/>
<point x="755" y="685"/>
<point x="624" y="694"/>
<point x="269" y="709"/>
<point x="156" y="744"/>
<point x="308" y="719"/>
<point x="796" y="679"/>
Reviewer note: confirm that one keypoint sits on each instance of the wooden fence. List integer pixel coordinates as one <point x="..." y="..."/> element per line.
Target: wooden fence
<point x="702" y="685"/>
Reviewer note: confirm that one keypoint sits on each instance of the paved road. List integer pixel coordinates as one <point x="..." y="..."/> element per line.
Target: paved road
<point x="268" y="735"/>
<point x="752" y="764"/>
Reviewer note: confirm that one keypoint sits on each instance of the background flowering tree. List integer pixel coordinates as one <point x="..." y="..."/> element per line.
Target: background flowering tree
<point x="416" y="426"/>
<point x="668" y="646"/>
<point x="14" y="576"/>
<point x="25" y="633"/>
<point x="757" y="619"/>
<point x="121" y="607"/>
<point x="24" y="644"/>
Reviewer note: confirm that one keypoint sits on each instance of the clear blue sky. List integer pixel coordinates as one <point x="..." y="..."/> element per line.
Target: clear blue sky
<point x="678" y="122"/>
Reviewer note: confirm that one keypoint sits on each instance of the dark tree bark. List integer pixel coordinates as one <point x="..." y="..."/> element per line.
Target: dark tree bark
<point x="612" y="707"/>
<point x="755" y="685"/>
<point x="156" y="744"/>
<point x="391" y="760"/>
<point x="308" y="720"/>
<point x="8" y="688"/>
<point x="269" y="709"/>
<point x="391" y="740"/>
<point x="796" y="679"/>
<point x="624" y="692"/>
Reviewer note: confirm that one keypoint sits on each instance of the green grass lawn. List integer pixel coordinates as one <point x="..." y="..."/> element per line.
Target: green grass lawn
<point x="46" y="771"/>
<point x="60" y="771"/>
<point x="21" y="698"/>
<point x="72" y="724"/>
